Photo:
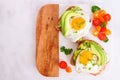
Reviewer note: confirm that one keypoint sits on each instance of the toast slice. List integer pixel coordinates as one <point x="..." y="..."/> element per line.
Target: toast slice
<point x="102" y="68"/>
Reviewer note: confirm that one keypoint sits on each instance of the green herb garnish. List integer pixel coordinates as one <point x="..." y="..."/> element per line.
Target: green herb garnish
<point x="103" y="24"/>
<point x="95" y="8"/>
<point x="106" y="40"/>
<point x="75" y="31"/>
<point x="84" y="67"/>
<point x="67" y="51"/>
<point x="93" y="64"/>
<point x="82" y="13"/>
<point x="89" y="68"/>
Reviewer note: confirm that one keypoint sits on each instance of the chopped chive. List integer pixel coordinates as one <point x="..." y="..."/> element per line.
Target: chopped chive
<point x="75" y="31"/>
<point x="84" y="67"/>
<point x="82" y="13"/>
<point x="89" y="68"/>
<point x="93" y="64"/>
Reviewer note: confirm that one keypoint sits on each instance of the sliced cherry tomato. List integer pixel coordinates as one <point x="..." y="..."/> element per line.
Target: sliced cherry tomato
<point x="98" y="28"/>
<point x="108" y="32"/>
<point x="96" y="14"/>
<point x="102" y="12"/>
<point x="96" y="22"/>
<point x="63" y="64"/>
<point x="107" y="17"/>
<point x="103" y="29"/>
<point x="95" y="32"/>
<point x="102" y="36"/>
<point x="101" y="19"/>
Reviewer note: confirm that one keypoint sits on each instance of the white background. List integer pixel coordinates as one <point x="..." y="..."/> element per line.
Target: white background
<point x="17" y="40"/>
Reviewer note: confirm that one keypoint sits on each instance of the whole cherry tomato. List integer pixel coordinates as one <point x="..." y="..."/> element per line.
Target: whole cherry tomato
<point x="63" y="64"/>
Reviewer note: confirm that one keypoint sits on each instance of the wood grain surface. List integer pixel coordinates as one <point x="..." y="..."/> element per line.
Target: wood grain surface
<point x="47" y="44"/>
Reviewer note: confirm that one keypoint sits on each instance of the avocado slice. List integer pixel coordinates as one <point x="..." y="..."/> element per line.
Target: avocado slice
<point x="66" y="26"/>
<point x="76" y="53"/>
<point x="95" y="48"/>
<point x="62" y="19"/>
<point x="84" y="45"/>
<point x="103" y="55"/>
<point x="99" y="62"/>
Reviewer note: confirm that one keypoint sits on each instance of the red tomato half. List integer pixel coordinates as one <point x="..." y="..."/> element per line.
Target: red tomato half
<point x="96" y="22"/>
<point x="107" y="17"/>
<point x="102" y="36"/>
<point x="103" y="29"/>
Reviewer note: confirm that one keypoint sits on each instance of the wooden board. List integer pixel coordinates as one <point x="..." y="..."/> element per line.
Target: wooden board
<point x="47" y="45"/>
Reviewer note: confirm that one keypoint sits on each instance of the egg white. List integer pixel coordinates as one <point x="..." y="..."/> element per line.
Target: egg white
<point x="73" y="35"/>
<point x="89" y="68"/>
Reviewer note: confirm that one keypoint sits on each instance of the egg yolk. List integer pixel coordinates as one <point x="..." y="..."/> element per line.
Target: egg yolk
<point x="85" y="56"/>
<point x="78" y="23"/>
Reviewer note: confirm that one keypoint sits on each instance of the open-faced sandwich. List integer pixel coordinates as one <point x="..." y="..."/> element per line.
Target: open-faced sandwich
<point x="74" y="23"/>
<point x="89" y="57"/>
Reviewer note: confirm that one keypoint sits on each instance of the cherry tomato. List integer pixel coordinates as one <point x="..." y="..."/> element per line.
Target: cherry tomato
<point x="102" y="36"/>
<point x="68" y="69"/>
<point x="108" y="32"/>
<point x="107" y="17"/>
<point x="102" y="12"/>
<point x="95" y="32"/>
<point x="96" y="14"/>
<point x="101" y="19"/>
<point x="103" y="29"/>
<point x="98" y="28"/>
<point x="63" y="64"/>
<point x="96" y="22"/>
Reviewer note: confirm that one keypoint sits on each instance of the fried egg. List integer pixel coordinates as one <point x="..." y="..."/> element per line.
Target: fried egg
<point x="79" y="26"/>
<point x="87" y="62"/>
